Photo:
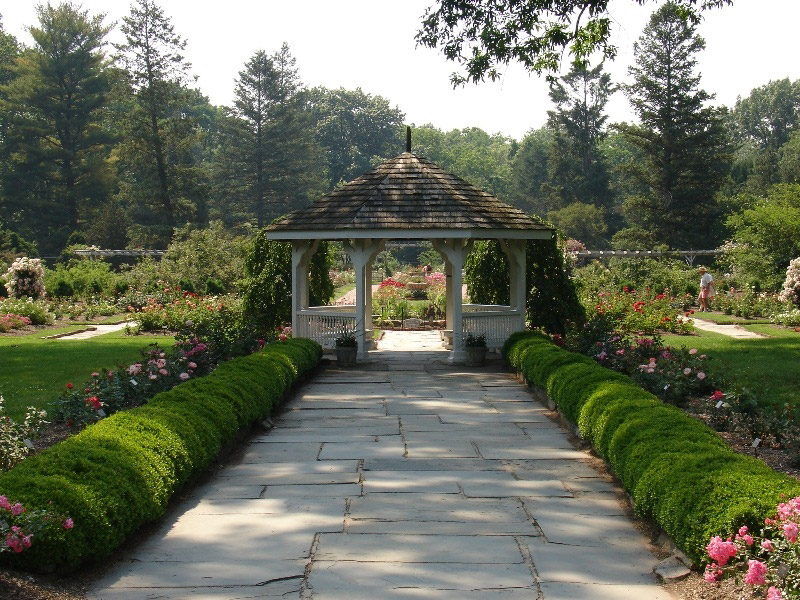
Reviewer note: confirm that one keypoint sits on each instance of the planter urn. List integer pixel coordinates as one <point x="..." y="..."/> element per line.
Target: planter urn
<point x="346" y="355"/>
<point x="475" y="356"/>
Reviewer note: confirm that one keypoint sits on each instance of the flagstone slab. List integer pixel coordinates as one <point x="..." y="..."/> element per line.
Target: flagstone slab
<point x="431" y="464"/>
<point x="434" y="481"/>
<point x="573" y="591"/>
<point x="275" y="469"/>
<point x="323" y="434"/>
<point x="401" y="548"/>
<point x="319" y="509"/>
<point x="440" y="406"/>
<point x="373" y="580"/>
<point x="281" y="451"/>
<point x="444" y="449"/>
<point x="612" y="565"/>
<point x="374" y="426"/>
<point x="297" y="413"/>
<point x="572" y="467"/>
<point x="531" y="451"/>
<point x="566" y="528"/>
<point x="350" y="450"/>
<point x="336" y="490"/>
<point x="282" y="588"/>
<point x="435" y="507"/>
<point x="480" y="528"/>
<point x="186" y="574"/>
<point x="603" y="504"/>
<point x="515" y="488"/>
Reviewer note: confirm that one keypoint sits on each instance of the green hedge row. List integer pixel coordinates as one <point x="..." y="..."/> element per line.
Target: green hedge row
<point x="120" y="473"/>
<point x="679" y="472"/>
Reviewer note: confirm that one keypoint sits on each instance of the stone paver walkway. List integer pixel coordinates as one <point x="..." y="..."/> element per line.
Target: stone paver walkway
<point x="405" y="478"/>
<point x="97" y="330"/>
<point x="733" y="331"/>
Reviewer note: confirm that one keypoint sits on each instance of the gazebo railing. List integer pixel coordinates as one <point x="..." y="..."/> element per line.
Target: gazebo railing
<point x="324" y="324"/>
<point x="473" y="308"/>
<point x="495" y="324"/>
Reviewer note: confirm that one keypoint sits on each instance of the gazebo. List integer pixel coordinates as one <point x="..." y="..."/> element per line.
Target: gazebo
<point x="407" y="198"/>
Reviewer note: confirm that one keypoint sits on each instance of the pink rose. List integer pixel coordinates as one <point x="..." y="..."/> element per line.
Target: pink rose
<point x="721" y="550"/>
<point x="774" y="593"/>
<point x="789" y="530"/>
<point x="767" y="545"/>
<point x="192" y="365"/>
<point x="4" y="503"/>
<point x="68" y="524"/>
<point x="153" y="377"/>
<point x="161" y="363"/>
<point x="687" y="371"/>
<point x="693" y="351"/>
<point x="95" y="374"/>
<point x="756" y="572"/>
<point x="163" y="371"/>
<point x="17" y="509"/>
<point x="711" y="573"/>
<point x="183" y="376"/>
<point x="701" y="375"/>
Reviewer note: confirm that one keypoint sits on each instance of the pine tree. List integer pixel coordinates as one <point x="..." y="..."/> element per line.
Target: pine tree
<point x="576" y="170"/>
<point x="160" y="182"/>
<point x="271" y="141"/>
<point x="684" y="142"/>
<point x="56" y="101"/>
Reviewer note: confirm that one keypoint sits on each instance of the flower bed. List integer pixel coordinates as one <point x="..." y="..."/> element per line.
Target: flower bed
<point x="677" y="470"/>
<point x="120" y="473"/>
<point x="633" y="311"/>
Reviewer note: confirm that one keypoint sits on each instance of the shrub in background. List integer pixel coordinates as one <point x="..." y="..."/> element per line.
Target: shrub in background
<point x="38" y="311"/>
<point x="84" y="279"/>
<point x="791" y="286"/>
<point x="552" y="301"/>
<point x="119" y="473"/>
<point x="268" y="285"/>
<point x="25" y="278"/>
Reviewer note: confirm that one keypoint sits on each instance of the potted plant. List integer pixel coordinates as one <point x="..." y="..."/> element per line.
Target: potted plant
<point x="475" y="347"/>
<point x="346" y="348"/>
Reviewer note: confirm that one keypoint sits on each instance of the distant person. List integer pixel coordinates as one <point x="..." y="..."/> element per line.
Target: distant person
<point x="427" y="269"/>
<point x="706" y="289"/>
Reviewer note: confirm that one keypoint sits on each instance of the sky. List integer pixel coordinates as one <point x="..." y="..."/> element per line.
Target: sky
<point x="370" y="44"/>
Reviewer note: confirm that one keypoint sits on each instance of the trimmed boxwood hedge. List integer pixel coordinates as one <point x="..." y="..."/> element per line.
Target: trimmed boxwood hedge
<point x="678" y="471"/>
<point x="118" y="474"/>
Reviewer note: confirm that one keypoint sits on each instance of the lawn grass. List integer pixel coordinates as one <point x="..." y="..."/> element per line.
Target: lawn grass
<point x="34" y="371"/>
<point x="723" y="319"/>
<point x="341" y="291"/>
<point x="768" y="367"/>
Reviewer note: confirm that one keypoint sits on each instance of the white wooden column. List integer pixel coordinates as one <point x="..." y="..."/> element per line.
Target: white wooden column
<point x="515" y="251"/>
<point x="302" y="251"/>
<point x="362" y="252"/>
<point x="455" y="252"/>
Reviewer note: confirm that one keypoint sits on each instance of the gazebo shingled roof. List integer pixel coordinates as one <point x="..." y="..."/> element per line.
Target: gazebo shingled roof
<point x="407" y="193"/>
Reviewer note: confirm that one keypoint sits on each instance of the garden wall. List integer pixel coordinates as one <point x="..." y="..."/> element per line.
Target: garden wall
<point x="120" y="473"/>
<point x="677" y="470"/>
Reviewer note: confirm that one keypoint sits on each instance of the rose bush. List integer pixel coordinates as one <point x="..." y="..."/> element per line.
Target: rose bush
<point x="19" y="526"/>
<point x="25" y="278"/>
<point x="770" y="560"/>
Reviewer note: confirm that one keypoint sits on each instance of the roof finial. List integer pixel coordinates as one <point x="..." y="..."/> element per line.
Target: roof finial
<point x="408" y="139"/>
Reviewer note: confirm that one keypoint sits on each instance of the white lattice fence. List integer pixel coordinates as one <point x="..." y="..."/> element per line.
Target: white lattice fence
<point x="496" y="326"/>
<point x="323" y="326"/>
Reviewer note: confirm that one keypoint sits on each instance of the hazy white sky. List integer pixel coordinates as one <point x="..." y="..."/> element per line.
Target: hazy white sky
<point x="370" y="44"/>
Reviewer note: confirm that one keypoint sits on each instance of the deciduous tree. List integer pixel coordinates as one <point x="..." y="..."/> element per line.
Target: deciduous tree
<point x="483" y="35"/>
